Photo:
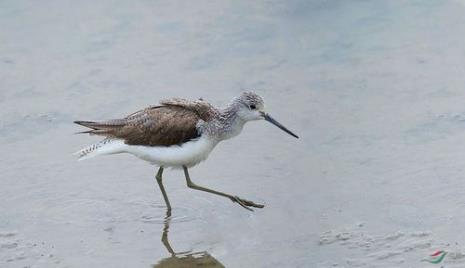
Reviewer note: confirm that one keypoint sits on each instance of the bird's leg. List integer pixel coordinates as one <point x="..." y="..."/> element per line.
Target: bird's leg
<point x="243" y="202"/>
<point x="165" y="196"/>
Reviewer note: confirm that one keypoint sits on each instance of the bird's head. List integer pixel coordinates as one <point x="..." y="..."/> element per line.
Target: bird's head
<point x="252" y="107"/>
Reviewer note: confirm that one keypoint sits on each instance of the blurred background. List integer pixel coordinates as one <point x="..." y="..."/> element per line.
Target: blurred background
<point x="374" y="89"/>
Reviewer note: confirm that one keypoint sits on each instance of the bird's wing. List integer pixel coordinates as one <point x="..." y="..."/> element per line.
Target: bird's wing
<point x="154" y="126"/>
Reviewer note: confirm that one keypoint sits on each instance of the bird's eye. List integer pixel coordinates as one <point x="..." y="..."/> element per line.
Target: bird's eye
<point x="253" y="107"/>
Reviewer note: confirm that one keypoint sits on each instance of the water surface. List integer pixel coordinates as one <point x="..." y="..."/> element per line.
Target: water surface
<point x="374" y="89"/>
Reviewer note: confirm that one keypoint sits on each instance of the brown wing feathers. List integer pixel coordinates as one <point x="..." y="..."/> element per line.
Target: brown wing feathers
<point x="154" y="126"/>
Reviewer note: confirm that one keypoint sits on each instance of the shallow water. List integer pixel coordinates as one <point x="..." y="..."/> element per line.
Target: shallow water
<point x="374" y="89"/>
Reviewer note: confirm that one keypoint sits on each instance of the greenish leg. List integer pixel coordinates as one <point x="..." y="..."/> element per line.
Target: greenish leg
<point x="243" y="202"/>
<point x="165" y="196"/>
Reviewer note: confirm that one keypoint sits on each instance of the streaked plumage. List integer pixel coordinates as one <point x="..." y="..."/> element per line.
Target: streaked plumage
<point x="177" y="133"/>
<point x="171" y="123"/>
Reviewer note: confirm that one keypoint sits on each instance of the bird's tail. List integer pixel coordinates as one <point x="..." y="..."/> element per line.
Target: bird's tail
<point x="106" y="128"/>
<point x="106" y="146"/>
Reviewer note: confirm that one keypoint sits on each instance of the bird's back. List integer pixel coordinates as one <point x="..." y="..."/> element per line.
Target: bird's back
<point x="172" y="123"/>
<point x="153" y="126"/>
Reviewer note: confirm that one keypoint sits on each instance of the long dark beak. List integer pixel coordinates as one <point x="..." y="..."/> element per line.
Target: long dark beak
<point x="276" y="123"/>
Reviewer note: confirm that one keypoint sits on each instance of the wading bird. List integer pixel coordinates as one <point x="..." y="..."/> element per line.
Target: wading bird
<point x="178" y="133"/>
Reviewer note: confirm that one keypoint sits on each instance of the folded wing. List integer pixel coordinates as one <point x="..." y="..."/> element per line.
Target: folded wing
<point x="164" y="125"/>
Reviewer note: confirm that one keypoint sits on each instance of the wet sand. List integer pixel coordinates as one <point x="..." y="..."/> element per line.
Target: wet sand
<point x="375" y="90"/>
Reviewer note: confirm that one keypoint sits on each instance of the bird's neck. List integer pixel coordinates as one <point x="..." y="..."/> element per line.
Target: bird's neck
<point x="229" y="121"/>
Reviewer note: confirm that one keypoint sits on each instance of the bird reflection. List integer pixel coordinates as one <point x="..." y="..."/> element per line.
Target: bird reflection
<point x="184" y="259"/>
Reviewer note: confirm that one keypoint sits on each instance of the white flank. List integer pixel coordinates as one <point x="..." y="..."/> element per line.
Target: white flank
<point x="188" y="154"/>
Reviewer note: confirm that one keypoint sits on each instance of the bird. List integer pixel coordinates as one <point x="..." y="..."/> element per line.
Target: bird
<point x="178" y="133"/>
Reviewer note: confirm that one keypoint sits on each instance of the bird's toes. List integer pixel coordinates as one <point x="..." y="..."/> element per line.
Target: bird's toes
<point x="246" y="203"/>
<point x="238" y="200"/>
<point x="252" y="204"/>
<point x="257" y="205"/>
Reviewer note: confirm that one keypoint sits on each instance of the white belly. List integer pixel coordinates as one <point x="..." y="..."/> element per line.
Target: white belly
<point x="188" y="154"/>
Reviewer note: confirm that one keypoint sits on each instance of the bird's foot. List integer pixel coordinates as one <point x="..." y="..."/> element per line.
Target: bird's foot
<point x="246" y="203"/>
